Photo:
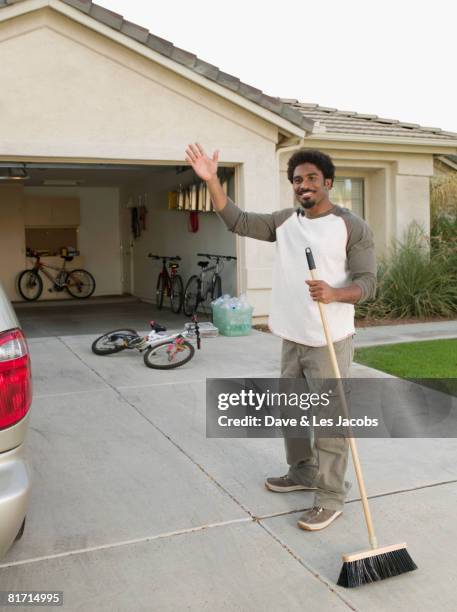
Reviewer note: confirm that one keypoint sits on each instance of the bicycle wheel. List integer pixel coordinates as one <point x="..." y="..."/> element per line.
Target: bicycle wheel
<point x="216" y="290"/>
<point x="80" y="284"/>
<point x="191" y="296"/>
<point x="112" y="342"/>
<point x="169" y="354"/>
<point x="177" y="293"/>
<point x="161" y="290"/>
<point x="30" y="285"/>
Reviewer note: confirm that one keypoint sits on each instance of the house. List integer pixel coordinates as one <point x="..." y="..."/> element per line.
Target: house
<point x="97" y="111"/>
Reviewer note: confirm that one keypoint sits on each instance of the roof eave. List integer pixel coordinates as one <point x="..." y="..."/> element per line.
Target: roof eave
<point x="427" y="142"/>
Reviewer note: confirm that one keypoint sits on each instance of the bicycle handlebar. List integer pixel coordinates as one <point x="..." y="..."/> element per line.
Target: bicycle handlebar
<point x="210" y="256"/>
<point x="165" y="257"/>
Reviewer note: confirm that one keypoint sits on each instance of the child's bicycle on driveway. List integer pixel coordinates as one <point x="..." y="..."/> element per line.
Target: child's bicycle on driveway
<point x="162" y="351"/>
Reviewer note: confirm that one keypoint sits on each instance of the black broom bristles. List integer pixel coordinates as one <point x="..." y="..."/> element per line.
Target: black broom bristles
<point x="376" y="567"/>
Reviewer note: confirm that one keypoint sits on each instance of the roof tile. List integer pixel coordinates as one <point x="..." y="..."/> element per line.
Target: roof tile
<point x="273" y="104"/>
<point x="135" y="31"/>
<point x="364" y="116"/>
<point x="162" y="46"/>
<point x="387" y="121"/>
<point x="229" y="81"/>
<point x="109" y="18"/>
<point x="207" y="70"/>
<point x="249" y="92"/>
<point x="81" y="5"/>
<point x="290" y="113"/>
<point x="183" y="57"/>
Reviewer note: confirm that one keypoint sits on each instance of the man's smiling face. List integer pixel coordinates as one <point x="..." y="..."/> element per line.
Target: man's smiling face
<point x="309" y="185"/>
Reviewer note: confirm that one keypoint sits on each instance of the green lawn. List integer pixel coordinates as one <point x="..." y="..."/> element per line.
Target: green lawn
<point x="429" y="359"/>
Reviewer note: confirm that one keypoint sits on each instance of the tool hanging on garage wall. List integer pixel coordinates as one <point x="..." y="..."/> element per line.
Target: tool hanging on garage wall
<point x="138" y="216"/>
<point x="195" y="196"/>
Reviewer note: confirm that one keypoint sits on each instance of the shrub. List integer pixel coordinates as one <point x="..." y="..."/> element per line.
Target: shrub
<point x="443" y="197"/>
<point x="418" y="278"/>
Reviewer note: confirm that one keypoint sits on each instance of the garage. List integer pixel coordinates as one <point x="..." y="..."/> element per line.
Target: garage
<point x="109" y="218"/>
<point x="98" y="140"/>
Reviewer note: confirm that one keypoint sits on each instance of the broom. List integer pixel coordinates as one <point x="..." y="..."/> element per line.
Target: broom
<point x="376" y="563"/>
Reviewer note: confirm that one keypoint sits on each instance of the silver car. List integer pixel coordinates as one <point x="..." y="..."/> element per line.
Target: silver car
<point x="15" y="401"/>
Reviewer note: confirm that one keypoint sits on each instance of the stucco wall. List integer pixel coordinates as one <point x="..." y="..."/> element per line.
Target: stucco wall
<point x="87" y="83"/>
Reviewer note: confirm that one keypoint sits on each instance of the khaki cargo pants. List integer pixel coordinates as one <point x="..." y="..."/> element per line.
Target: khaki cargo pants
<point x="317" y="461"/>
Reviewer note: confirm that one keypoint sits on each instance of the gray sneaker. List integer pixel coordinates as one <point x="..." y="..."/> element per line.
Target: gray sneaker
<point x="284" y="484"/>
<point x="317" y="518"/>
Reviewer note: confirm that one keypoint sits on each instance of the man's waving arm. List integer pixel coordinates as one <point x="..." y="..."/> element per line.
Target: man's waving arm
<point x="261" y="226"/>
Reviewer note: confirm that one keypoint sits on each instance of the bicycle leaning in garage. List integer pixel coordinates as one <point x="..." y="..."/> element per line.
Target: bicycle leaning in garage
<point x="199" y="287"/>
<point x="162" y="351"/>
<point x="79" y="283"/>
<point x="169" y="283"/>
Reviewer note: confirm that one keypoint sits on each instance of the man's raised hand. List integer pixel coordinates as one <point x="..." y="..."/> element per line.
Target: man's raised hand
<point x="204" y="167"/>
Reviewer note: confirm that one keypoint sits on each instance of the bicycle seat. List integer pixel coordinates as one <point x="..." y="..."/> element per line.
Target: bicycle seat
<point x="67" y="257"/>
<point x="203" y="264"/>
<point x="157" y="327"/>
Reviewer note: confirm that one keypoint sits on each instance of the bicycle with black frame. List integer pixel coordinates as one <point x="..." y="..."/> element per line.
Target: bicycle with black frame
<point x="169" y="283"/>
<point x="200" y="287"/>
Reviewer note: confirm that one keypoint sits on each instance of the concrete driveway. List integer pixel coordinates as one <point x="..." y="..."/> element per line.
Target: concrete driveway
<point x="134" y="509"/>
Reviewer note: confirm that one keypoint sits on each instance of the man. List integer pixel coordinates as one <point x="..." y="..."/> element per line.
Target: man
<point x="343" y="249"/>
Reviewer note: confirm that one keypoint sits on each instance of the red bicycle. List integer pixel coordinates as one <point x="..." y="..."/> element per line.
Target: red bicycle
<point x="169" y="283"/>
<point x="79" y="283"/>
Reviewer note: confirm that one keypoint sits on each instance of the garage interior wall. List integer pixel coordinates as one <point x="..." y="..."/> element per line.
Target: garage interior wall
<point x="12" y="242"/>
<point x="167" y="233"/>
<point x="99" y="233"/>
<point x="99" y="236"/>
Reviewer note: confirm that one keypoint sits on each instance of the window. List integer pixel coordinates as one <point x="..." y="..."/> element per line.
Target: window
<point x="349" y="192"/>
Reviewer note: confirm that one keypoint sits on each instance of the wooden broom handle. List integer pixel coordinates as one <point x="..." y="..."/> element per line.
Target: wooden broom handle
<point x="352" y="444"/>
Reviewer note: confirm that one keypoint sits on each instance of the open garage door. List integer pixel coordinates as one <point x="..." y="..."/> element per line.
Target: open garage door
<point x="112" y="216"/>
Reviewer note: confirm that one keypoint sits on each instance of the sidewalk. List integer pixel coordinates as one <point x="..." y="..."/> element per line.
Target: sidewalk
<point x="407" y="332"/>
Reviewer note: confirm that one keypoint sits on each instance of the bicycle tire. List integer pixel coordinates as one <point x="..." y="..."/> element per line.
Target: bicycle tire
<point x="29" y="276"/>
<point x="160" y="290"/>
<point x="87" y="280"/>
<point x="177" y="294"/>
<point x="191" y="296"/>
<point x="167" y="366"/>
<point x="216" y="290"/>
<point x="114" y="348"/>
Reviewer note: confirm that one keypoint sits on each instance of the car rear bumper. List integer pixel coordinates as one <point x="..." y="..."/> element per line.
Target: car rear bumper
<point x="14" y="495"/>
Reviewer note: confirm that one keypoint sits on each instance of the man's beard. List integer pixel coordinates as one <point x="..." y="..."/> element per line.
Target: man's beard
<point x="307" y="203"/>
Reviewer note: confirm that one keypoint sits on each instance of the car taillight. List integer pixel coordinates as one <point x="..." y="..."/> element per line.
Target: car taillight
<point x="15" y="378"/>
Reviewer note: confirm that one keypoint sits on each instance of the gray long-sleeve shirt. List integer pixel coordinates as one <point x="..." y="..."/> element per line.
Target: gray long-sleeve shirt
<point x="343" y="249"/>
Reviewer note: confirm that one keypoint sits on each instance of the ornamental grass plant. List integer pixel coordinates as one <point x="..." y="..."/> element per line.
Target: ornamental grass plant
<point x="418" y="276"/>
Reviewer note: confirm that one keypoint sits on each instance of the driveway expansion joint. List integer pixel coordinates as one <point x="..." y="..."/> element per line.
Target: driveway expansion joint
<point x="330" y="586"/>
<point x="159" y="536"/>
<point x="173" y="442"/>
